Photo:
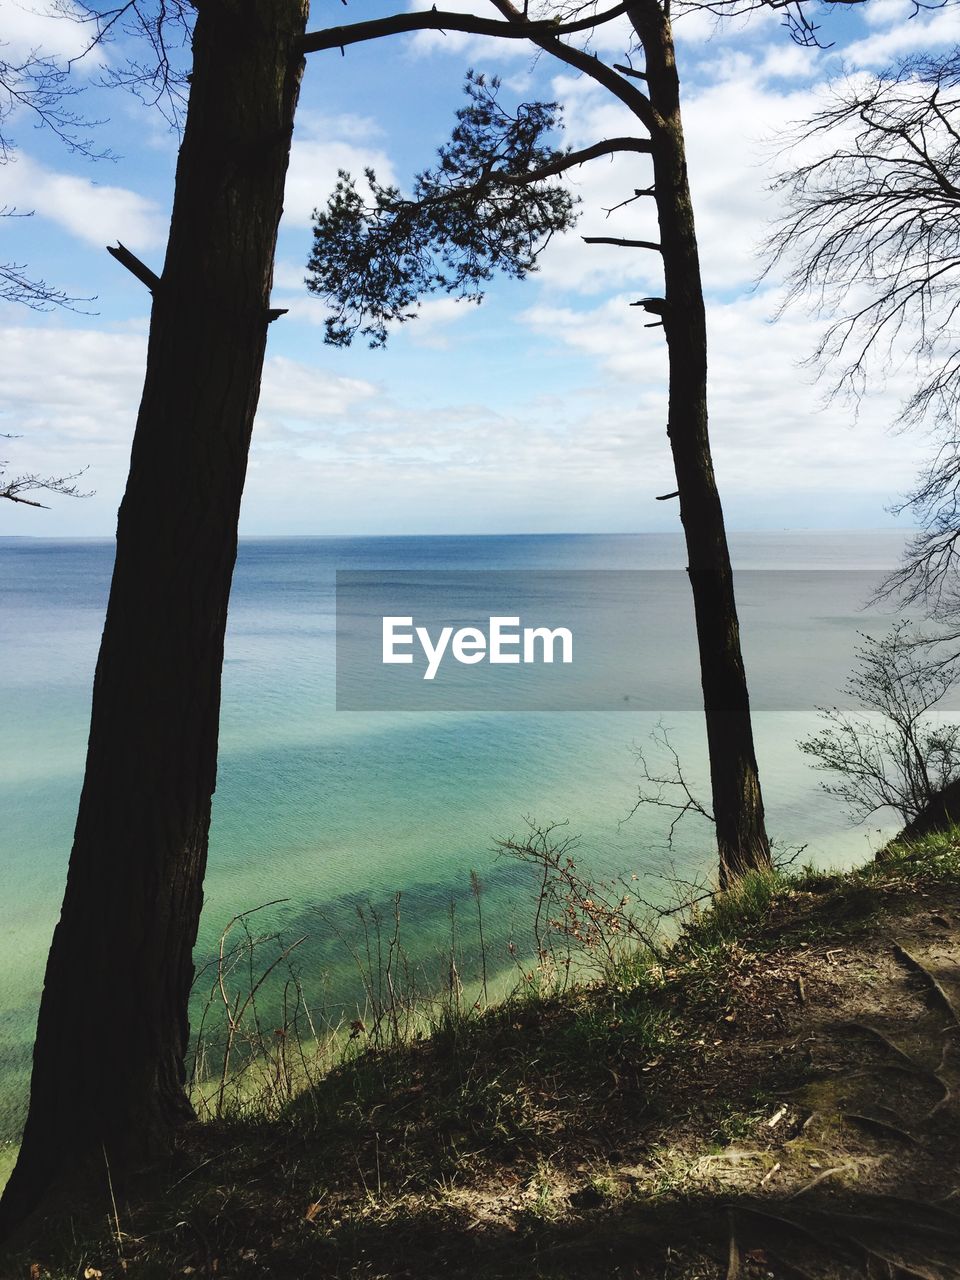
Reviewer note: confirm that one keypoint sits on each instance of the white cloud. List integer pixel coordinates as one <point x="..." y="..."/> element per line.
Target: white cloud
<point x="901" y="30"/>
<point x="32" y="27"/>
<point x="460" y="42"/>
<point x="297" y="392"/>
<point x="91" y="211"/>
<point x="321" y="147"/>
<point x="770" y="427"/>
<point x="288" y="275"/>
<point x="345" y="126"/>
<point x="435" y="318"/>
<point x="340" y="453"/>
<point x="887" y="13"/>
<point x="728" y="127"/>
<point x="81" y="411"/>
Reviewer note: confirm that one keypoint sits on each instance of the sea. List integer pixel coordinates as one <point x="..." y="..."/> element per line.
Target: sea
<point x="327" y="814"/>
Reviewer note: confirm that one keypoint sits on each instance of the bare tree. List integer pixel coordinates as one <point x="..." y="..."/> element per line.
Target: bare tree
<point x="40" y="86"/>
<point x="902" y="754"/>
<point x="872" y="235"/>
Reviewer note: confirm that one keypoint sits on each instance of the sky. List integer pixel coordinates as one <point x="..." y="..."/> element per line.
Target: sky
<point x="541" y="410"/>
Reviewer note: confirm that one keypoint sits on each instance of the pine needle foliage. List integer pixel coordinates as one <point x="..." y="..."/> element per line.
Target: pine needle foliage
<point x="480" y="209"/>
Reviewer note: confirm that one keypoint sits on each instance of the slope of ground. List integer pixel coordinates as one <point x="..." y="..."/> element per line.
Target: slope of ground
<point x="779" y="1095"/>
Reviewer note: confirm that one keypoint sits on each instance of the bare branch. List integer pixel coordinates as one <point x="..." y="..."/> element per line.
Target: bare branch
<point x="438" y="20"/>
<point x="13" y="488"/>
<point x="623" y="244"/>
<point x="134" y="266"/>
<point x="638" y="194"/>
<point x="631" y="97"/>
<point x="37" y="294"/>
<point x="666" y="790"/>
<point x="165" y="30"/>
<point x="40" y="87"/>
<point x="629" y="71"/>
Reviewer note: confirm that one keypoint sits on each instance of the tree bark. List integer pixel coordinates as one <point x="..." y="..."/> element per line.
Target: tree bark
<point x="108" y="1069"/>
<point x="737" y="801"/>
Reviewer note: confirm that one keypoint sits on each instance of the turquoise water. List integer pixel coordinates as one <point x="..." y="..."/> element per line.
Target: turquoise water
<point x="327" y="808"/>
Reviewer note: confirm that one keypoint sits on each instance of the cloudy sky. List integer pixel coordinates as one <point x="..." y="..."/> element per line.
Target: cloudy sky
<point x="541" y="410"/>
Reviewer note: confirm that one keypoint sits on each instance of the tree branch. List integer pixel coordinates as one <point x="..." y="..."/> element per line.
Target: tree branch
<point x="516" y="27"/>
<point x="638" y="102"/>
<point x="629" y="71"/>
<point x="623" y="244"/>
<point x="559" y="164"/>
<point x="438" y="20"/>
<point x="12" y="488"/>
<point x="134" y="266"/>
<point x="27" y="502"/>
<point x="570" y="159"/>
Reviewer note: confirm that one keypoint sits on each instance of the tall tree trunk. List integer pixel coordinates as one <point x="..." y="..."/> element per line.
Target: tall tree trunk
<point x="108" y="1068"/>
<point x="737" y="802"/>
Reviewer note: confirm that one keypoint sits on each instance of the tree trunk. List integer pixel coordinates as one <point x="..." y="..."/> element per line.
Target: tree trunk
<point x="737" y="802"/>
<point x="108" y="1068"/>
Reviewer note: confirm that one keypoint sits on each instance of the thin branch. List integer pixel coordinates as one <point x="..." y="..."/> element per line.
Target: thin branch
<point x="13" y="489"/>
<point x="638" y="194"/>
<point x="629" y="71"/>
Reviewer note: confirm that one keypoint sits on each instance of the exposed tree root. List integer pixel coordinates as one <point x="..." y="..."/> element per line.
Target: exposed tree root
<point x="733" y="1255"/>
<point x="821" y="1177"/>
<point x="932" y="982"/>
<point x="888" y="1044"/>
<point x="896" y="1267"/>
<point x="781" y="1223"/>
<point x="848" y="1222"/>
<point x="790" y="1267"/>
<point x="935" y="1208"/>
<point x="878" y="1127"/>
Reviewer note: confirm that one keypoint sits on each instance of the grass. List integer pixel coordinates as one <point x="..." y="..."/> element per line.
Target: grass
<point x="531" y="1109"/>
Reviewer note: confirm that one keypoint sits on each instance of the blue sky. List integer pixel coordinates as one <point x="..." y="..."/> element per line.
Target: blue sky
<point x="541" y="410"/>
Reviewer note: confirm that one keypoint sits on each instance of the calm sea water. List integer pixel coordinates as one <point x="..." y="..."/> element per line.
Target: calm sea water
<point x="326" y="808"/>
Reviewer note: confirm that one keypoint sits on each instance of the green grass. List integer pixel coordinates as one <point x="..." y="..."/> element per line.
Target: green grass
<point x="934" y="857"/>
<point x="735" y="1121"/>
<point x="735" y="916"/>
